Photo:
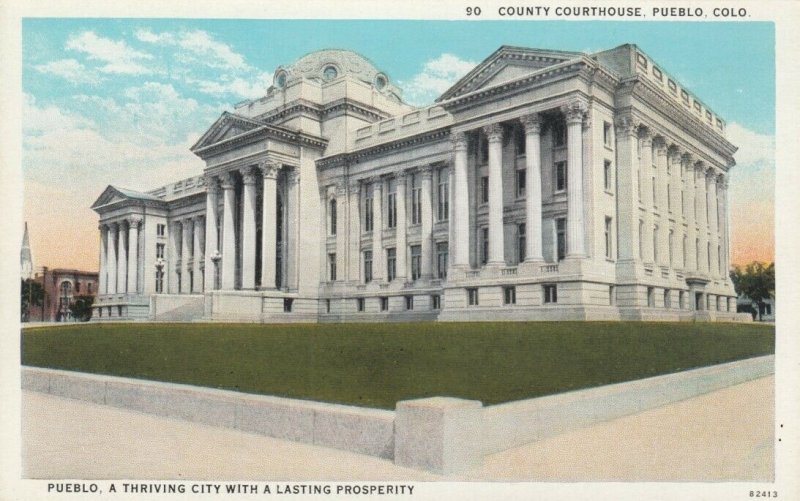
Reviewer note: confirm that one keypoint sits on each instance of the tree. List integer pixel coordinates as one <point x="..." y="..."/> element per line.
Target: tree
<point x="81" y="308"/>
<point x="756" y="281"/>
<point x="31" y="294"/>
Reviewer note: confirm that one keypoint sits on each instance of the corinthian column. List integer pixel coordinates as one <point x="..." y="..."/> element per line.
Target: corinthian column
<point x="533" y="188"/>
<point x="494" y="133"/>
<point x="400" y="238"/>
<point x="691" y="224"/>
<point x="197" y="262"/>
<point x="248" y="229"/>
<point x="354" y="232"/>
<point x="427" y="223"/>
<point x="574" y="112"/>
<point x="459" y="217"/>
<point x="646" y="170"/>
<point x="378" y="265"/>
<point x="713" y="222"/>
<point x="186" y="256"/>
<point x="627" y="194"/>
<point x="102" y="280"/>
<point x="269" y="229"/>
<point x="122" y="260"/>
<point x="228" y="232"/>
<point x="212" y="245"/>
<point x="702" y="221"/>
<point x="133" y="253"/>
<point x="111" y="265"/>
<point x="661" y="192"/>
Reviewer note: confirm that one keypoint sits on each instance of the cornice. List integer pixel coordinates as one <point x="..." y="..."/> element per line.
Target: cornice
<point x="355" y="156"/>
<point x="261" y="132"/>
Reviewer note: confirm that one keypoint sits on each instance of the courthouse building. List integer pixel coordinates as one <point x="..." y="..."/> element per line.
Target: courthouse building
<point x="542" y="185"/>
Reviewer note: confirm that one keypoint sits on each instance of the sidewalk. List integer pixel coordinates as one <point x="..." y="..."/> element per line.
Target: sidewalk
<point x="724" y="435"/>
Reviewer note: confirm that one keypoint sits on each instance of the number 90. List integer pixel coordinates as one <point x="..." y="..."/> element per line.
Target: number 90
<point x="473" y="11"/>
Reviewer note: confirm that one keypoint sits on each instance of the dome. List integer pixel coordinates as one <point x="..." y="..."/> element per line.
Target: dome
<point x="329" y="64"/>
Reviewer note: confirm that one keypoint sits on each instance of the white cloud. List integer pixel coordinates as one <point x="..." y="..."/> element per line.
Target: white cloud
<point x="70" y="70"/>
<point x="38" y="120"/>
<point x="754" y="148"/>
<point x="436" y="76"/>
<point x="118" y="56"/>
<point x="238" y="87"/>
<point x="198" y="47"/>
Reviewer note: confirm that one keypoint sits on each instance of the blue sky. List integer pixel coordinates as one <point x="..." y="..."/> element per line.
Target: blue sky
<point x="120" y="101"/>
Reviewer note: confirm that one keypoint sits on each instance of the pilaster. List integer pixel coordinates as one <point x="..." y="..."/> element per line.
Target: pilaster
<point x="400" y="235"/>
<point x="426" y="223"/>
<point x="574" y="113"/>
<point x="133" y="253"/>
<point x="459" y="244"/>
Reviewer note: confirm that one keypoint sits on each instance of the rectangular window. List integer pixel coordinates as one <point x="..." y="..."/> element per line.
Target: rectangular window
<point x="332" y="266"/>
<point x="611" y="295"/>
<point x="327" y="306"/>
<point x="416" y="200"/>
<point x="367" y="267"/>
<point x="160" y="251"/>
<point x="559" y="134"/>
<point x="550" y="293"/>
<point x="159" y="281"/>
<point x="669" y="198"/>
<point x="416" y="262"/>
<point x="667" y="299"/>
<point x="561" y="176"/>
<point x="436" y="302"/>
<point x="607" y="139"/>
<point x="384" y="303"/>
<point x="391" y="204"/>
<point x="360" y="304"/>
<point x="519" y="136"/>
<point x="409" y="302"/>
<point x="671" y="244"/>
<point x="509" y="295"/>
<point x="332" y="211"/>
<point x="484" y="245"/>
<point x="391" y="264"/>
<point x="472" y="296"/>
<point x="521" y="242"/>
<point x="368" y="222"/>
<point x="607" y="175"/>
<point x="608" y="235"/>
<point x="442" y="252"/>
<point x="443" y="208"/>
<point x="287" y="304"/>
<point x="561" y="238"/>
<point x="161" y="230"/>
<point x="485" y="189"/>
<point x="521" y="182"/>
<point x="651" y="297"/>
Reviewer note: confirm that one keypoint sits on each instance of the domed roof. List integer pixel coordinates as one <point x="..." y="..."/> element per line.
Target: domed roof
<point x="329" y="64"/>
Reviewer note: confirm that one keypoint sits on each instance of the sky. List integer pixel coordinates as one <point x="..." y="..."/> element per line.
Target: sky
<point x="120" y="101"/>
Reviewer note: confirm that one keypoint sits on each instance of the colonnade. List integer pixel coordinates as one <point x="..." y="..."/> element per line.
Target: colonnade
<point x="119" y="256"/>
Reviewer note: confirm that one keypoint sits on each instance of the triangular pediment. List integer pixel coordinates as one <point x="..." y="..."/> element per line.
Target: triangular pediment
<point x="228" y="125"/>
<point x="506" y="64"/>
<point x="112" y="195"/>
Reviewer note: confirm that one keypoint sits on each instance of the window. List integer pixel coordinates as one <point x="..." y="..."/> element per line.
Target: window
<point x="436" y="302"/>
<point x="667" y="300"/>
<point x="561" y="238"/>
<point x="159" y="281"/>
<point x="332" y="211"/>
<point x="409" y="302"/>
<point x="519" y="138"/>
<point x="651" y="297"/>
<point x="550" y="293"/>
<point x="509" y="295"/>
<point x="287" y="304"/>
<point x="89" y="288"/>
<point x="327" y="306"/>
<point x="368" y="221"/>
<point x="671" y="247"/>
<point x="669" y="198"/>
<point x="443" y="207"/>
<point x="521" y="181"/>
<point x="332" y="266"/>
<point x="77" y="287"/>
<point x="391" y="264"/>
<point x="641" y="239"/>
<point x="160" y="251"/>
<point x="607" y="175"/>
<point x="161" y="230"/>
<point x="442" y="252"/>
<point x="484" y="245"/>
<point x="681" y="300"/>
<point x="485" y="189"/>
<point x="561" y="176"/>
<point x="608" y="234"/>
<point x="472" y="296"/>
<point x="416" y="200"/>
<point x="391" y="204"/>
<point x="655" y="243"/>
<point x="360" y="304"/>
<point x="521" y="243"/>
<point x="416" y="262"/>
<point x="559" y="134"/>
<point x="607" y="139"/>
<point x="611" y="295"/>
<point x="367" y="267"/>
<point x="384" y="303"/>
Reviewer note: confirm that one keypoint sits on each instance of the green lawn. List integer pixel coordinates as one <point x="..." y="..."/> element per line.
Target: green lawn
<point x="375" y="365"/>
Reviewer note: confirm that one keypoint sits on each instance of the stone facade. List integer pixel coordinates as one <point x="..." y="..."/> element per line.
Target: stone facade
<point x="543" y="185"/>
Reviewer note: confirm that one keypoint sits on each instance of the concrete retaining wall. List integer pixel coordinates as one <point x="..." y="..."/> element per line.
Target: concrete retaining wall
<point x="176" y="307"/>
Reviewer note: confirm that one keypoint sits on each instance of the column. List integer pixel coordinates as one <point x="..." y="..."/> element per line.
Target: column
<point x="186" y="255"/>
<point x="248" y="229"/>
<point x="122" y="260"/>
<point x="378" y="261"/>
<point x="702" y="222"/>
<point x="427" y="223"/>
<point x="713" y="223"/>
<point x="197" y="263"/>
<point x="574" y="113"/>
<point x="291" y="223"/>
<point x="646" y="169"/>
<point x="400" y="235"/>
<point x="726" y="235"/>
<point x="494" y="134"/>
<point x="691" y="225"/>
<point x="269" y="230"/>
<point x="111" y="264"/>
<point x="133" y="253"/>
<point x="354" y="232"/>
<point x="228" y="232"/>
<point x="627" y="195"/>
<point x="341" y="230"/>
<point x="102" y="281"/>
<point x="459" y="209"/>
<point x="212" y="245"/>
<point x="533" y="189"/>
<point x="173" y="257"/>
<point x="661" y="193"/>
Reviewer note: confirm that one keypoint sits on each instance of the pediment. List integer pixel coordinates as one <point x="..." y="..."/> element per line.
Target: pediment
<point x="227" y="126"/>
<point x="506" y="64"/>
<point x="112" y="195"/>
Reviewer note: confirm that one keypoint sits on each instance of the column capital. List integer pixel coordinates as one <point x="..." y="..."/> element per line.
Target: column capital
<point x="626" y="125"/>
<point x="660" y="144"/>
<point x="575" y="110"/>
<point x="686" y="160"/>
<point x="401" y="175"/>
<point x="212" y="185"/>
<point x="646" y="140"/>
<point x="227" y="181"/>
<point x="354" y="188"/>
<point x="426" y="171"/>
<point x="292" y="177"/>
<point x="269" y="169"/>
<point x="134" y="220"/>
<point x="532" y="123"/>
<point x="248" y="176"/>
<point x="459" y="141"/>
<point x="494" y="132"/>
<point x="341" y="188"/>
<point x="711" y="174"/>
<point x="199" y="219"/>
<point x="724" y="181"/>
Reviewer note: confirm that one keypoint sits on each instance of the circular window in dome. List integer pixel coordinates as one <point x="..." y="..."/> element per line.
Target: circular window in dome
<point x="280" y="80"/>
<point x="329" y="73"/>
<point x="380" y="82"/>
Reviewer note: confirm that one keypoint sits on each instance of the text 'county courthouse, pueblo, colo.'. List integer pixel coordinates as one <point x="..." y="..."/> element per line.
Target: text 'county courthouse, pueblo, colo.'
<point x="543" y="185"/>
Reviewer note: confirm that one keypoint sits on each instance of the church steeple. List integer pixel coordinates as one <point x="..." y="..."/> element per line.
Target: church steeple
<point x="25" y="257"/>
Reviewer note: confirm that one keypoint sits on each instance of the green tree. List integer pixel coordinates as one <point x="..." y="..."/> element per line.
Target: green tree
<point x="31" y="294"/>
<point x="81" y="308"/>
<point x="756" y="281"/>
